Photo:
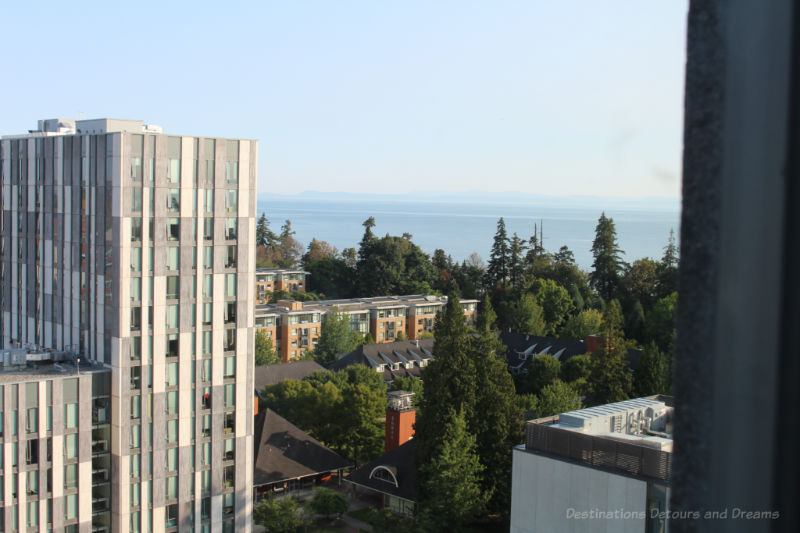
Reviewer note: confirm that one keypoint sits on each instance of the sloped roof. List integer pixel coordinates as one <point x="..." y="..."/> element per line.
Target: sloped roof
<point x="400" y="462"/>
<point x="522" y="348"/>
<point x="271" y="374"/>
<point x="283" y="451"/>
<point x="407" y="354"/>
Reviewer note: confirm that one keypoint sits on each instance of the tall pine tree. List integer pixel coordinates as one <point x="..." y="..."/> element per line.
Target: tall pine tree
<point x="516" y="266"/>
<point x="607" y="262"/>
<point x="499" y="261"/>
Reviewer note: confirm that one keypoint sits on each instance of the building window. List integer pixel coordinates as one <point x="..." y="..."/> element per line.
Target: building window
<point x="171" y="405"/>
<point x="230" y="228"/>
<point x="173" y="258"/>
<point x="229" y="341"/>
<point x="172" y="345"/>
<point x="210" y="201"/>
<point x="208" y="229"/>
<point x="228" y="476"/>
<point x="229" y="370"/>
<point x="230" y="285"/>
<point x="136" y="437"/>
<point x="171" y="491"/>
<point x="231" y="257"/>
<point x="171" y="514"/>
<point x="173" y="316"/>
<point x="136" y="259"/>
<point x="173" y="287"/>
<point x="70" y="477"/>
<point x="136" y="199"/>
<point x="229" y="450"/>
<point x="230" y="313"/>
<point x="71" y="507"/>
<point x="136" y="407"/>
<point x="71" y="416"/>
<point x="231" y="201"/>
<point x="173" y="200"/>
<point x="136" y="229"/>
<point x="172" y="432"/>
<point x="229" y="399"/>
<point x="136" y="169"/>
<point x="230" y="423"/>
<point x="173" y="229"/>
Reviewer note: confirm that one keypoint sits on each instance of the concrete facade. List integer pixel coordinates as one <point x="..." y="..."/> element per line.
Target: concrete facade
<point x="136" y="250"/>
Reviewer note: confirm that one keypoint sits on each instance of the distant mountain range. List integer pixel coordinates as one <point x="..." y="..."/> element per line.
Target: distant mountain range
<point x="493" y="197"/>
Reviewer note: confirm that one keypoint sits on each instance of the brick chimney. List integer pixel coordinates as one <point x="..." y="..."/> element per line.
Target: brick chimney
<point x="400" y="417"/>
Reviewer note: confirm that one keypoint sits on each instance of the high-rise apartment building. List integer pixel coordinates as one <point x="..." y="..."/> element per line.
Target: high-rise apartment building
<point x="135" y="250"/>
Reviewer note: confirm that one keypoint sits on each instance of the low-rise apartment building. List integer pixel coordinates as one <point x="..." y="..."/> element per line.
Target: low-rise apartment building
<point x="270" y="280"/>
<point x="295" y="326"/>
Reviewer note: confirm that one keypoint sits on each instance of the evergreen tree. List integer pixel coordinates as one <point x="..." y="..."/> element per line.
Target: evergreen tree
<point x="450" y="495"/>
<point x="516" y="267"/>
<point x="496" y="421"/>
<point x="607" y="262"/>
<point x="535" y="249"/>
<point x="497" y="271"/>
<point x="564" y="256"/>
<point x="336" y="338"/>
<point x="650" y="376"/>
<point x="261" y="230"/>
<point x="670" y="258"/>
<point x="660" y="326"/>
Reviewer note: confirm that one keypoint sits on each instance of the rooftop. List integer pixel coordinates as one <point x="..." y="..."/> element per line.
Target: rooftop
<point x="21" y="364"/>
<point x="360" y="304"/>
<point x="633" y="437"/>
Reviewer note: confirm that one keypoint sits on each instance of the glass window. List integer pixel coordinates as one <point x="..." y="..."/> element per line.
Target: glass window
<point x="207" y="313"/>
<point x="136" y="289"/>
<point x="230" y="228"/>
<point x="229" y="341"/>
<point x="172" y="375"/>
<point x="172" y="494"/>
<point x="206" y="344"/>
<point x="33" y="509"/>
<point x="210" y="201"/>
<point x="136" y="229"/>
<point x="230" y="313"/>
<point x="172" y="432"/>
<point x="136" y="436"/>
<point x="205" y="457"/>
<point x="173" y="316"/>
<point x="171" y="407"/>
<point x="136" y="169"/>
<point x="70" y="477"/>
<point x="231" y="201"/>
<point x="136" y="259"/>
<point x="208" y="257"/>
<point x="135" y="492"/>
<point x="208" y="229"/>
<point x="173" y="258"/>
<point x="136" y="466"/>
<point x="171" y="460"/>
<point x="229" y="450"/>
<point x="208" y="286"/>
<point x="136" y="407"/>
<point x="173" y="229"/>
<point x="71" y="507"/>
<point x="172" y="345"/>
<point x="136" y="348"/>
<point x="173" y="287"/>
<point x="71" y="446"/>
<point x="32" y="422"/>
<point x="229" y="370"/>
<point x="71" y="415"/>
<point x="229" y="397"/>
<point x="231" y="256"/>
<point x="136" y="199"/>
<point x="230" y="285"/>
<point x="173" y="200"/>
<point x="205" y="370"/>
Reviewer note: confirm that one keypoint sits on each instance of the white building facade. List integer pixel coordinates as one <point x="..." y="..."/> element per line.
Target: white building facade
<point x="135" y="250"/>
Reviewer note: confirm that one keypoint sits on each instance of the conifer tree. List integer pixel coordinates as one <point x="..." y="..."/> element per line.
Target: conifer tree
<point x="450" y="482"/>
<point x="610" y="379"/>
<point x="497" y="270"/>
<point x="607" y="262"/>
<point x="516" y="267"/>
<point x="650" y="376"/>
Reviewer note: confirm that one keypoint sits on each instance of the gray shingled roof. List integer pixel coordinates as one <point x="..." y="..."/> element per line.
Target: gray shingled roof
<point x="400" y="462"/>
<point x="271" y="374"/>
<point x="283" y="451"/>
<point x="398" y="359"/>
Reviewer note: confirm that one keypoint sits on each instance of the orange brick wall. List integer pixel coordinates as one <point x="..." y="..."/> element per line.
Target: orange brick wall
<point x="399" y="427"/>
<point x="376" y="330"/>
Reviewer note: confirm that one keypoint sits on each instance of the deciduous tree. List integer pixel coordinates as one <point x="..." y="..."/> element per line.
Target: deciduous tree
<point x="336" y="338"/>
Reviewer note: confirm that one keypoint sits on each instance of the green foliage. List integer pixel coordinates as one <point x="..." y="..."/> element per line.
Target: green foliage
<point x="516" y="264"/>
<point x="401" y="336"/>
<point x="336" y="338"/>
<point x="580" y="326"/>
<point x="331" y="276"/>
<point x="526" y="316"/>
<point x="280" y="515"/>
<point x="557" y="397"/>
<point x="344" y="409"/>
<point x="564" y="256"/>
<point x="410" y="384"/>
<point x="652" y="373"/>
<point x="576" y="368"/>
<point x="392" y="265"/>
<point x="527" y="403"/>
<point x="610" y="379"/>
<point x="543" y="370"/>
<point x="497" y="272"/>
<point x="328" y="502"/>
<point x="607" y="262"/>
<point x="451" y="480"/>
<point x="612" y="323"/>
<point x="469" y="375"/>
<point x="384" y="521"/>
<point x="368" y="339"/>
<point x="639" y="282"/>
<point x="265" y="352"/>
<point x="660" y="325"/>
<point x="555" y="301"/>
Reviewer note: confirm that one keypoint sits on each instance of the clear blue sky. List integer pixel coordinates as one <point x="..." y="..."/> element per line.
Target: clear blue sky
<point x="376" y="96"/>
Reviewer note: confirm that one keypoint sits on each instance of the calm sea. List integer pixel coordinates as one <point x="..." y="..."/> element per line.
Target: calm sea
<point x="463" y="227"/>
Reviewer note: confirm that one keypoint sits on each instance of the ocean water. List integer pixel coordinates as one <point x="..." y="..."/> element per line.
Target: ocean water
<point x="462" y="227"/>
